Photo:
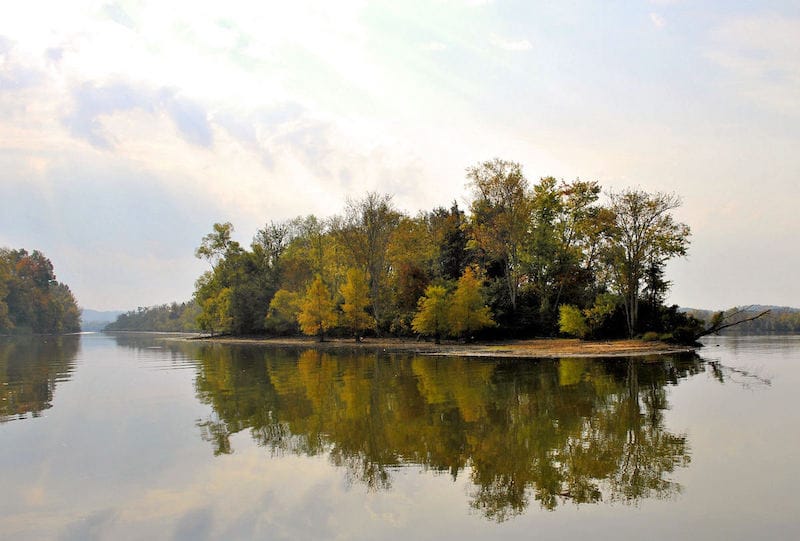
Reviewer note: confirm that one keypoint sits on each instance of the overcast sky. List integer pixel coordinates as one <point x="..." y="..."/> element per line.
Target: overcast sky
<point x="128" y="128"/>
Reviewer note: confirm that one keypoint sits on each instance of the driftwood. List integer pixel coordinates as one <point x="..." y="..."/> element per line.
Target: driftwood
<point x="721" y="321"/>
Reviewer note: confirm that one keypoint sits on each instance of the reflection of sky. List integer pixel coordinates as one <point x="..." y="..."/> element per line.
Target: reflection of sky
<point x="162" y="119"/>
<point x="119" y="456"/>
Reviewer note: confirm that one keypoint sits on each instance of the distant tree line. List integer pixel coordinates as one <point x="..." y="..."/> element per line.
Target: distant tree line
<point x="522" y="260"/>
<point x="31" y="300"/>
<point x="172" y="317"/>
<point x="779" y="320"/>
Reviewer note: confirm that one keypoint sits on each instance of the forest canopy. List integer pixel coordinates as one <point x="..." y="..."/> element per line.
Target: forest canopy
<point x="505" y="266"/>
<point x="31" y="300"/>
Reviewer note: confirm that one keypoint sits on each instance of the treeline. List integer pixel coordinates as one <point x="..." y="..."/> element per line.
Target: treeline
<point x="507" y="265"/>
<point x="172" y="317"/>
<point x="31" y="300"/>
<point x="779" y="320"/>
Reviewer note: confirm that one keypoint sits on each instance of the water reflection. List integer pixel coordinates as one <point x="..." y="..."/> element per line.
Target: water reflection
<point x="30" y="368"/>
<point x="574" y="430"/>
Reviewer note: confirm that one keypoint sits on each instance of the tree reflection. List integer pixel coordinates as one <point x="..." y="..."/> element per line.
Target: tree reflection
<point x="30" y="367"/>
<point x="574" y="430"/>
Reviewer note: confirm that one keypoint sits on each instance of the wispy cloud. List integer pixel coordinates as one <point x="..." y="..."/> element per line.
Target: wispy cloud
<point x="510" y="44"/>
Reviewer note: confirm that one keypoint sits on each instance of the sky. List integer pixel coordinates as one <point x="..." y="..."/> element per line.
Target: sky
<point x="128" y="128"/>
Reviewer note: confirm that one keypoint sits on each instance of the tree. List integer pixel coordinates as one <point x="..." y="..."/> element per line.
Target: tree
<point x="31" y="300"/>
<point x="501" y="210"/>
<point x="365" y="231"/>
<point x="216" y="314"/>
<point x="467" y="311"/>
<point x="316" y="310"/>
<point x="355" y="292"/>
<point x="431" y="318"/>
<point x="283" y="309"/>
<point x="215" y="245"/>
<point x="644" y="232"/>
<point x="448" y="232"/>
<point x="572" y="321"/>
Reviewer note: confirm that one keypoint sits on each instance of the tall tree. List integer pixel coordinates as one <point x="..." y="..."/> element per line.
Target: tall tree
<point x="365" y="231"/>
<point x="501" y="210"/>
<point x="644" y="231"/>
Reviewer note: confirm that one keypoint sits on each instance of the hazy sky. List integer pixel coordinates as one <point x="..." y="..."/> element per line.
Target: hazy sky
<point x="128" y="128"/>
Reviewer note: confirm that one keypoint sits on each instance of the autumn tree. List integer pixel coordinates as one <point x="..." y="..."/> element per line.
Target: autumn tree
<point x="31" y="299"/>
<point x="365" y="231"/>
<point x="572" y="321"/>
<point x="644" y="233"/>
<point x="501" y="209"/>
<point x="355" y="292"/>
<point x="216" y="312"/>
<point x="431" y="319"/>
<point x="316" y="310"/>
<point x="467" y="311"/>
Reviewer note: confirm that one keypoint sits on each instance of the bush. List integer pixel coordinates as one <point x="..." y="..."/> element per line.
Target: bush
<point x="572" y="321"/>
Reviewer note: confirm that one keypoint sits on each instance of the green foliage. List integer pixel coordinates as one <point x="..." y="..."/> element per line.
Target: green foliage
<point x="31" y="300"/>
<point x="644" y="234"/>
<point x="316" y="314"/>
<point x="217" y="243"/>
<point x="432" y="317"/>
<point x="572" y="321"/>
<point x="536" y="247"/>
<point x="467" y="311"/>
<point x="283" y="310"/>
<point x="216" y="312"/>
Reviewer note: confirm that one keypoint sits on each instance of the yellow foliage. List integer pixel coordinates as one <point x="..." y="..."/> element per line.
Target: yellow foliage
<point x="316" y="310"/>
<point x="467" y="311"/>
<point x="355" y="291"/>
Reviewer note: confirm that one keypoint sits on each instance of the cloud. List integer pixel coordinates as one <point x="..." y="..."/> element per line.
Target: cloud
<point x="762" y="55"/>
<point x="658" y="20"/>
<point x="14" y="74"/>
<point x="510" y="44"/>
<point x="93" y="102"/>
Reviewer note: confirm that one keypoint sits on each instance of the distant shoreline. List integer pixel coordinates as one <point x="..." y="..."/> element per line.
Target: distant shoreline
<point x="538" y="348"/>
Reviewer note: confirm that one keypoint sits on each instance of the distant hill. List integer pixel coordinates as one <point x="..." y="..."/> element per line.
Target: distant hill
<point x="96" y="320"/>
<point x="780" y="319"/>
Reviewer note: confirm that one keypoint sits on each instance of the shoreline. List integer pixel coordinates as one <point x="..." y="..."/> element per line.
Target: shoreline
<point x="542" y="348"/>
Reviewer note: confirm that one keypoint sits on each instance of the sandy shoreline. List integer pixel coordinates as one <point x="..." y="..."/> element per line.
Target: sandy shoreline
<point x="540" y="348"/>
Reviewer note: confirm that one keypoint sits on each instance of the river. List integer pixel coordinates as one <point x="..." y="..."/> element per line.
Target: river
<point x="148" y="437"/>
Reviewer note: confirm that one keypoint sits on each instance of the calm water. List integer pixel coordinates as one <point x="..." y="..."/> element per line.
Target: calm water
<point x="137" y="437"/>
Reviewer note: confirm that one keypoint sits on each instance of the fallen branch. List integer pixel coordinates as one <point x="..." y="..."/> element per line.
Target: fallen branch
<point x="720" y="321"/>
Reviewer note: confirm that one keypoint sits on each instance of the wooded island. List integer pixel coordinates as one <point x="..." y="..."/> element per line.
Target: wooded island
<point x="523" y="260"/>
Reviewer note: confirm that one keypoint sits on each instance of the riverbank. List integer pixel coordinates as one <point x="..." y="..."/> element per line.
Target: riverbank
<point x="540" y="348"/>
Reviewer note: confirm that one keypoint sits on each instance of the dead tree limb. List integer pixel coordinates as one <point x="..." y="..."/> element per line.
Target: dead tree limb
<point x="720" y="321"/>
